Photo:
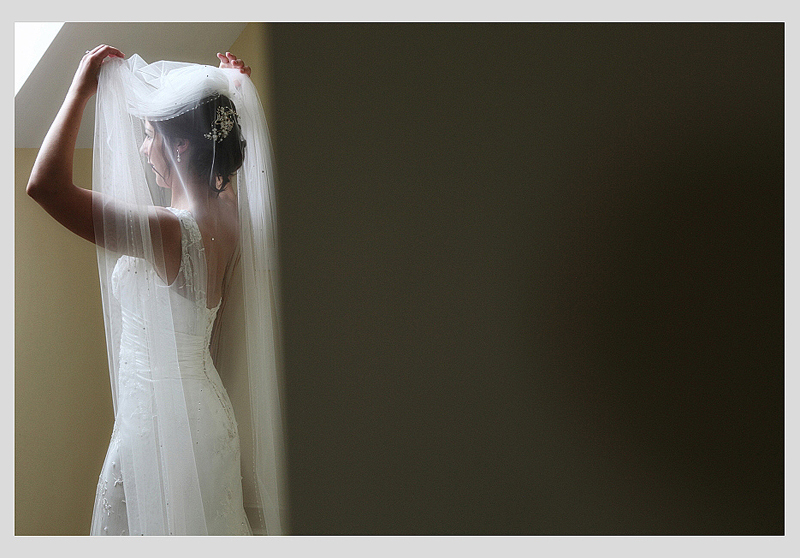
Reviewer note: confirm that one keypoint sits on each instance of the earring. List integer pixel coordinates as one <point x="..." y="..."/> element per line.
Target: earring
<point x="179" y="155"/>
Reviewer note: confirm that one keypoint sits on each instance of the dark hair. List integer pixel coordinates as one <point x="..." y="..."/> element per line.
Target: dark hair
<point x="207" y="158"/>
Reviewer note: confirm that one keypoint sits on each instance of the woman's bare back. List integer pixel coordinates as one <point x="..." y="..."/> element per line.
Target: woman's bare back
<point x="219" y="226"/>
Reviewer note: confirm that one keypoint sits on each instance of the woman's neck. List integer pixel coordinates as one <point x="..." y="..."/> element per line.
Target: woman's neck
<point x="191" y="196"/>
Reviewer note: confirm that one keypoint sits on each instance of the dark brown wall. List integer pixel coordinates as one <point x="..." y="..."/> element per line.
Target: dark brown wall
<point x="532" y="276"/>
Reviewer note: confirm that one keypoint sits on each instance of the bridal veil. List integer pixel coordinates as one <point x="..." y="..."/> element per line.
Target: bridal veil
<point x="162" y="490"/>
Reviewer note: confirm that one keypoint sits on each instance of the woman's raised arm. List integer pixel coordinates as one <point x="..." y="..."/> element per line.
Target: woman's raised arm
<point x="51" y="185"/>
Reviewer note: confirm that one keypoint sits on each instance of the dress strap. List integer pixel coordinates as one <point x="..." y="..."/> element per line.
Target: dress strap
<point x="192" y="271"/>
<point x="190" y="232"/>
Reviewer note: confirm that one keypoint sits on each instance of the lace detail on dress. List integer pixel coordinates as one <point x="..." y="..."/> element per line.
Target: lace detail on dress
<point x="192" y="239"/>
<point x="111" y="516"/>
<point x="191" y="279"/>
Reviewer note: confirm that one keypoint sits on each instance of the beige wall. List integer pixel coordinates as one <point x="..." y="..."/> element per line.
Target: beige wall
<point x="251" y="46"/>
<point x="63" y="411"/>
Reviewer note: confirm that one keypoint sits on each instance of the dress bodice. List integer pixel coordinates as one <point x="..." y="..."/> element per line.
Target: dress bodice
<point x="189" y="322"/>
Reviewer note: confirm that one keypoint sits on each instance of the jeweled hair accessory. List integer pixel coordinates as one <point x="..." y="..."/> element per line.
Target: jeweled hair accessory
<point x="223" y="124"/>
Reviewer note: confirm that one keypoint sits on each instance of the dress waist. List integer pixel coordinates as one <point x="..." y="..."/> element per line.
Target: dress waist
<point x="155" y="353"/>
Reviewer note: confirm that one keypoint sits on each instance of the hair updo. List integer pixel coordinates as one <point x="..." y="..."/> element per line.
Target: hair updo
<point x="207" y="158"/>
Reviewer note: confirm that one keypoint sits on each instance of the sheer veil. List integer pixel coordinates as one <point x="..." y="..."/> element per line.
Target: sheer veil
<point x="162" y="487"/>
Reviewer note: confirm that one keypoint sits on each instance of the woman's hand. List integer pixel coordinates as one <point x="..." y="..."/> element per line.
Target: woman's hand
<point x="229" y="61"/>
<point x="84" y="84"/>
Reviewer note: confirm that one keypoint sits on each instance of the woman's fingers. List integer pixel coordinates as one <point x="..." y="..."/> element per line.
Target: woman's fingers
<point x="228" y="60"/>
<point x="238" y="63"/>
<point x="111" y="51"/>
<point x="102" y="51"/>
<point x="85" y="80"/>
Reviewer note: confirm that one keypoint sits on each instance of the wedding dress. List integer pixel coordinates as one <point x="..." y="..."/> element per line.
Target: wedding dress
<point x="213" y="427"/>
<point x="185" y="457"/>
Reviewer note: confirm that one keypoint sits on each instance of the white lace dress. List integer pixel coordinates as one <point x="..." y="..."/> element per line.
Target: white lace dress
<point x="215" y="441"/>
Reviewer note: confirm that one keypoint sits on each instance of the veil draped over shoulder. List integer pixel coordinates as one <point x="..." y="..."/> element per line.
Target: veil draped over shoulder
<point x="163" y="489"/>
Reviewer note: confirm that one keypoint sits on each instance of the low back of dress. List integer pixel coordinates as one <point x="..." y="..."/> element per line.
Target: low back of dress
<point x="210" y="464"/>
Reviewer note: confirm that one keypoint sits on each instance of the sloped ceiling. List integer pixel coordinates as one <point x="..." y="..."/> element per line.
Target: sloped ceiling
<point x="38" y="101"/>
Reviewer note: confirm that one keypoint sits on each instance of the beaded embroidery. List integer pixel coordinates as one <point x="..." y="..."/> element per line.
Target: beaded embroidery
<point x="223" y="124"/>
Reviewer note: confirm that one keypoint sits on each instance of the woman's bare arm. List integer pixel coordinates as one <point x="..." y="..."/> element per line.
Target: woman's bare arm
<point x="51" y="185"/>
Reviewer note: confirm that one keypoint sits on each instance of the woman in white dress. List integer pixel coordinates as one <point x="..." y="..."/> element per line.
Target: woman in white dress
<point x="167" y="267"/>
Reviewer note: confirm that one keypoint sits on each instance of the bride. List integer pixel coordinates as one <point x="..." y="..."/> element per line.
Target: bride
<point x="182" y="213"/>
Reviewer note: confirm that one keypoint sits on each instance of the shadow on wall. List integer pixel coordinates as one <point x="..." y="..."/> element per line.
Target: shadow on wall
<point x="533" y="277"/>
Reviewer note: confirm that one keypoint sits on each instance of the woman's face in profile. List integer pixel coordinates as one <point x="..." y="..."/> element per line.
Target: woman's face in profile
<point x="152" y="148"/>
